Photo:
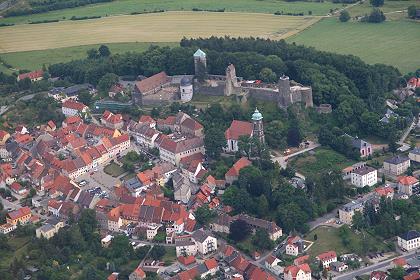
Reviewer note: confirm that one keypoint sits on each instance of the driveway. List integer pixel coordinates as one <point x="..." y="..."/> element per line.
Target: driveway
<point x="282" y="160"/>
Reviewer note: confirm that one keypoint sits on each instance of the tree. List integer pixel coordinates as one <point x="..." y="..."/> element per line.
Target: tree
<point x="107" y="80"/>
<point x="376" y="16"/>
<point x="344" y="16"/>
<point x="267" y="75"/>
<point x="262" y="240"/>
<point x="239" y="230"/>
<point x="203" y="214"/>
<point x="157" y="252"/>
<point x="214" y="141"/>
<point x="104" y="51"/>
<point x="294" y="136"/>
<point x="92" y="54"/>
<point x="85" y="97"/>
<point x="396" y="273"/>
<point x="412" y="11"/>
<point x="377" y="3"/>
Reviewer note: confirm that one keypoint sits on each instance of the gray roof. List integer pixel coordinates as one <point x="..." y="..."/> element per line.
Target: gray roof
<point x="200" y="235"/>
<point x="364" y="170"/>
<point x="397" y="159"/>
<point x="409" y="235"/>
<point x="73" y="90"/>
<point x="185" y="81"/>
<point x="184" y="243"/>
<point x="352" y="206"/>
<point x="46" y="227"/>
<point x="199" y="53"/>
<point x="416" y="151"/>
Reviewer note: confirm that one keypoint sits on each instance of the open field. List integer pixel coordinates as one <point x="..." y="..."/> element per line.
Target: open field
<point x="328" y="238"/>
<point x="391" y="42"/>
<point x="32" y="60"/>
<point x="120" y="7"/>
<point x="321" y="159"/>
<point x="161" y="27"/>
<point x="388" y="7"/>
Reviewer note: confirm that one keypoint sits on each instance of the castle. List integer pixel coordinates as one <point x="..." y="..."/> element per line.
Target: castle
<point x="161" y="88"/>
<point x="284" y="93"/>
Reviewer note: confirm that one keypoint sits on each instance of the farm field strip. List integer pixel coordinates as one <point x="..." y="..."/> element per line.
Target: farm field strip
<point x="160" y="27"/>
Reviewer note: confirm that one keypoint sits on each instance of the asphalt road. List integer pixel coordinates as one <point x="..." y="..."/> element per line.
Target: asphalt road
<point x="282" y="160"/>
<point x="384" y="265"/>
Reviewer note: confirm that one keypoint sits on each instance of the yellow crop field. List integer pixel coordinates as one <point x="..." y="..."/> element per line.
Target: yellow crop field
<point x="158" y="27"/>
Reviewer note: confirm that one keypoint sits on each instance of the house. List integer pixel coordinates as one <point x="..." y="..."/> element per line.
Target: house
<point x="185" y="248"/>
<point x="414" y="154"/>
<point x="408" y="185"/>
<point x="4" y="136"/>
<point x="7" y="228"/>
<point x="347" y="211"/>
<point x="294" y="245"/>
<point x="152" y="84"/>
<point x="387" y="192"/>
<point x="21" y="216"/>
<point x="234" y="132"/>
<point x="204" y="241"/>
<point x="327" y="258"/>
<point x="378" y="275"/>
<point x="414" y="82"/>
<point x="273" y="264"/>
<point x="49" y="229"/>
<point x="233" y="173"/>
<point x="365" y="149"/>
<point x="137" y="274"/>
<point x="173" y="151"/>
<point x="114" y="121"/>
<point x="18" y="188"/>
<point x="106" y="241"/>
<point x="73" y="108"/>
<point x="409" y="240"/>
<point x="188" y="260"/>
<point x="145" y="119"/>
<point x="297" y="272"/>
<point x="338" y="266"/>
<point x="113" y="276"/>
<point x="415" y="275"/>
<point x="222" y="223"/>
<point x="301" y="260"/>
<point x="182" y="188"/>
<point x="34" y="76"/>
<point x="396" y="165"/>
<point x="116" y="89"/>
<point x="366" y="176"/>
<point x="399" y="262"/>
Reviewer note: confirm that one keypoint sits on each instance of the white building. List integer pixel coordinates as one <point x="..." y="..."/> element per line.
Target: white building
<point x="186" y="89"/>
<point x="297" y="272"/>
<point x="347" y="211"/>
<point x="409" y="240"/>
<point x="204" y="241"/>
<point x="185" y="248"/>
<point x="366" y="176"/>
<point x="73" y="108"/>
<point x="327" y="258"/>
<point x="414" y="154"/>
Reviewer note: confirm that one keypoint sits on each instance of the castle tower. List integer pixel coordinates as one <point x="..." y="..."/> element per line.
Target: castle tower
<point x="257" y="126"/>
<point x="231" y="80"/>
<point x="200" y="60"/>
<point x="285" y="97"/>
<point x="186" y="89"/>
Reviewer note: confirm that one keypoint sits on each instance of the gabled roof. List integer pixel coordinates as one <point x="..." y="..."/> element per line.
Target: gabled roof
<point x="409" y="235"/>
<point x="74" y="105"/>
<point x="200" y="53"/>
<point x="186" y="260"/>
<point x="327" y="256"/>
<point x="397" y="159"/>
<point x="31" y="75"/>
<point x="407" y="180"/>
<point x="21" y="212"/>
<point x="400" y="262"/>
<point x="294" y="269"/>
<point x="237" y="129"/>
<point x="152" y="82"/>
<point x="241" y="163"/>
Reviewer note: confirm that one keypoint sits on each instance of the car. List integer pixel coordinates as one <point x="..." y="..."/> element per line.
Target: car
<point x="9" y="209"/>
<point x="91" y="173"/>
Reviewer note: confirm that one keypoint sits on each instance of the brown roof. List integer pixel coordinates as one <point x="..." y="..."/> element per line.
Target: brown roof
<point x="327" y="256"/>
<point x="294" y="269"/>
<point x="152" y="82"/>
<point x="241" y="163"/>
<point x="237" y="129"/>
<point x="21" y="212"/>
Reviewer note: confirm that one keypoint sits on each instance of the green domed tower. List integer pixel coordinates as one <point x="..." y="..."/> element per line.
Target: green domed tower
<point x="257" y="126"/>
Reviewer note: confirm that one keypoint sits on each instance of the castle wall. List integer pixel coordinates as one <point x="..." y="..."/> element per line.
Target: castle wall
<point x="263" y="94"/>
<point x="212" y="90"/>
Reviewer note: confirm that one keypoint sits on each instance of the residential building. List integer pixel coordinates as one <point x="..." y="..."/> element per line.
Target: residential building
<point x="347" y="211"/>
<point x="294" y="245"/>
<point x="408" y="185"/>
<point x="273" y="264"/>
<point x="233" y="173"/>
<point x="114" y="121"/>
<point x="414" y="154"/>
<point x="21" y="216"/>
<point x="4" y="136"/>
<point x="378" y="275"/>
<point x="234" y="132"/>
<point x="185" y="248"/>
<point x="137" y="274"/>
<point x="399" y="262"/>
<point x="327" y="258"/>
<point x="366" y="176"/>
<point x="34" y="76"/>
<point x="73" y="108"/>
<point x="387" y="192"/>
<point x="173" y="151"/>
<point x="204" y="241"/>
<point x="49" y="229"/>
<point x="409" y="241"/>
<point x="396" y="165"/>
<point x="297" y="272"/>
<point x="338" y="266"/>
<point x="365" y="149"/>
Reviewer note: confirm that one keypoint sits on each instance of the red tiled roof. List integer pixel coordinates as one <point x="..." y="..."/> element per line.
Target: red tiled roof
<point x="31" y="75"/>
<point x="237" y="129"/>
<point x="413" y="275"/>
<point x="407" y="180"/>
<point x="378" y="275"/>
<point x="74" y="105"/>
<point x="400" y="262"/>
<point x="146" y="119"/>
<point x="415" y="82"/>
<point x="241" y="163"/>
<point x="384" y="191"/>
<point x="139" y="272"/>
<point x="152" y="82"/>
<point x="186" y="260"/>
<point x="211" y="263"/>
<point x="19" y="213"/>
<point x="327" y="256"/>
<point x="301" y="260"/>
<point x="3" y="134"/>
<point x="294" y="269"/>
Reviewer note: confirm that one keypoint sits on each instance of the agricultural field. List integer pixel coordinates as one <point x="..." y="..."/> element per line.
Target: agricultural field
<point x="391" y="42"/>
<point x="392" y="9"/>
<point x="119" y="7"/>
<point x="159" y="27"/>
<point x="33" y="60"/>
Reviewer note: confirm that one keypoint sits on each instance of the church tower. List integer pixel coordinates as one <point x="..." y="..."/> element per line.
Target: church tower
<point x="257" y="126"/>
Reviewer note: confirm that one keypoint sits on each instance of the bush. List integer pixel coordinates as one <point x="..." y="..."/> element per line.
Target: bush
<point x="344" y="16"/>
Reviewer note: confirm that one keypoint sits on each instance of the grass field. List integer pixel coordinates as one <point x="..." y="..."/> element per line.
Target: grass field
<point x="120" y="7"/>
<point x="32" y="60"/>
<point x="162" y="27"/>
<point x="388" y="7"/>
<point x="391" y="42"/>
<point x="328" y="239"/>
<point x="322" y="159"/>
<point x="113" y="169"/>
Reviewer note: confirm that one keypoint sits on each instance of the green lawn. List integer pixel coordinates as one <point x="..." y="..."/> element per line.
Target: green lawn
<point x="391" y="42"/>
<point x="170" y="255"/>
<point x="18" y="244"/>
<point x="113" y="169"/>
<point x="389" y="6"/>
<point x="32" y="60"/>
<point x="119" y="7"/>
<point x="322" y="159"/>
<point x="328" y="239"/>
